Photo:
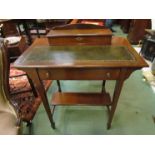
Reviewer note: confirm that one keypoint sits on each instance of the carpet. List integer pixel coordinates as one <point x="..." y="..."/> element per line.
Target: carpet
<point x="22" y="96"/>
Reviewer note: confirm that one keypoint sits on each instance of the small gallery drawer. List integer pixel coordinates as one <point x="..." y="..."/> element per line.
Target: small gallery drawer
<point x="100" y="36"/>
<point x="79" y="74"/>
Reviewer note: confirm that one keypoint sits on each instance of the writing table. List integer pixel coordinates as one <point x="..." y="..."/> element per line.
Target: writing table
<point x="112" y="62"/>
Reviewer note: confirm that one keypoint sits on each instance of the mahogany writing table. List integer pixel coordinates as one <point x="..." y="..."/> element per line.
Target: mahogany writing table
<point x="112" y="62"/>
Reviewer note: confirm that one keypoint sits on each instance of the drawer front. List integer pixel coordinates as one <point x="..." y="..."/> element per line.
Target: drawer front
<point x="79" y="40"/>
<point x="79" y="74"/>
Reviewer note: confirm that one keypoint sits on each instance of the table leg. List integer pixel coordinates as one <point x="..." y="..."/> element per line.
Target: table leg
<point x="117" y="91"/>
<point x="103" y="86"/>
<point x="59" y="86"/>
<point x="104" y="91"/>
<point x="41" y="90"/>
<point x="59" y="89"/>
<point x="32" y="86"/>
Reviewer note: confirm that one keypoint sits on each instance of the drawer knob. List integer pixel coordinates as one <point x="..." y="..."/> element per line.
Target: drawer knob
<point x="47" y="75"/>
<point x="79" y="38"/>
<point x="108" y="75"/>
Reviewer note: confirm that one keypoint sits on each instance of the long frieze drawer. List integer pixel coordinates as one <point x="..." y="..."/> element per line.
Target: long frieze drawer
<point x="79" y="74"/>
<point x="81" y="40"/>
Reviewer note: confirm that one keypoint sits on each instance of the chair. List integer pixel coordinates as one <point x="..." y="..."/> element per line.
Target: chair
<point x="137" y="30"/>
<point x="9" y="29"/>
<point x="9" y="120"/>
<point x="17" y="76"/>
<point x="13" y="52"/>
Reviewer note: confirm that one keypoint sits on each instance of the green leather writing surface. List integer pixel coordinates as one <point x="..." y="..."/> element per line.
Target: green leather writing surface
<point x="67" y="54"/>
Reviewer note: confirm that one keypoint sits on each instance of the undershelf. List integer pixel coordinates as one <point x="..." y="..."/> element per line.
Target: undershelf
<point x="81" y="99"/>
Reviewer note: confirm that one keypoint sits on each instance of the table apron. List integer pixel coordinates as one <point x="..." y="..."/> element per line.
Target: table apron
<point x="79" y="74"/>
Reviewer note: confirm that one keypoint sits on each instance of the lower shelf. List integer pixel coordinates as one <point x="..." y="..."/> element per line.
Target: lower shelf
<point x="81" y="99"/>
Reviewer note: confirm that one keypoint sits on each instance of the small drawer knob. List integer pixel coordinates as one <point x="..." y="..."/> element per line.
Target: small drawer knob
<point x="79" y="38"/>
<point x="47" y="75"/>
<point x="108" y="75"/>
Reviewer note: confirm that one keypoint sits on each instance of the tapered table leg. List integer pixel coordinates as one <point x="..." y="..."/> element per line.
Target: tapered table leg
<point x="117" y="91"/>
<point x="59" y="89"/>
<point x="32" y="86"/>
<point x="103" y="86"/>
<point x="41" y="90"/>
<point x="104" y="91"/>
<point x="59" y="86"/>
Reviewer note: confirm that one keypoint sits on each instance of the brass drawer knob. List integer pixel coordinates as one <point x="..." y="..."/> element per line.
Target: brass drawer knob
<point x="47" y="75"/>
<point x="108" y="75"/>
<point x="79" y="38"/>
